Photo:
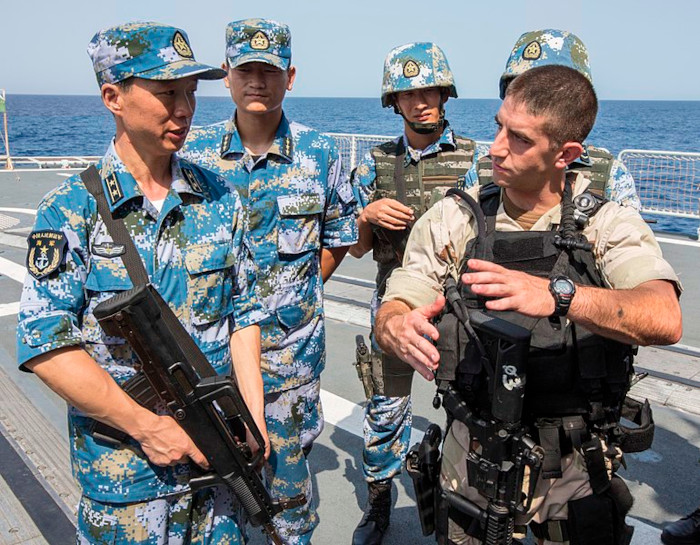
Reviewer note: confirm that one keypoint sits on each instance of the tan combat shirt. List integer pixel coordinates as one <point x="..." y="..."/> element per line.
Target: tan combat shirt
<point x="625" y="249"/>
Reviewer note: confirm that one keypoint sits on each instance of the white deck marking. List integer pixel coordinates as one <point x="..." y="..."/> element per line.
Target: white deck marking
<point x="30" y="211"/>
<point x="12" y="270"/>
<point x="679" y="242"/>
<point x="8" y="309"/>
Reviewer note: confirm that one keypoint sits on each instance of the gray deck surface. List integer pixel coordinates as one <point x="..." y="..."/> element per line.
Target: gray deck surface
<point x="665" y="480"/>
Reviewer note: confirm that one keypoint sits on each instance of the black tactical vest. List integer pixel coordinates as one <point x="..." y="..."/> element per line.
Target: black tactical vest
<point x="570" y="371"/>
<point x="598" y="172"/>
<point x="418" y="185"/>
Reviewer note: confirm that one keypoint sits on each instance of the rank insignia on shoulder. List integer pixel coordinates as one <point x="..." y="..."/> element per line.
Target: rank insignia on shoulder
<point x="533" y="51"/>
<point x="45" y="252"/>
<point x="114" y="188"/>
<point x="108" y="249"/>
<point x="226" y="143"/>
<point x="192" y="179"/>
<point x="411" y="69"/>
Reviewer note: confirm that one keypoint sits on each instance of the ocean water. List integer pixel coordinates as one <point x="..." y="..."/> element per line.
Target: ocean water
<point x="80" y="125"/>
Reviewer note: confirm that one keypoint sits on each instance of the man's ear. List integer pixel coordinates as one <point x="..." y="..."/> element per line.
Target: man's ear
<point x="568" y="153"/>
<point x="224" y="66"/>
<point x="291" y="76"/>
<point x="112" y="97"/>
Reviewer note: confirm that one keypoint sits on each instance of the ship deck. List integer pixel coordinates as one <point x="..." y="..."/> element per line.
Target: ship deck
<point x="38" y="497"/>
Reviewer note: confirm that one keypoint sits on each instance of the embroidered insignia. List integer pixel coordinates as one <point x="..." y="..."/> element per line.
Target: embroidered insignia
<point x="259" y="41"/>
<point x="533" y="51"/>
<point x="114" y="188"/>
<point x="46" y="249"/>
<point x="108" y="249"/>
<point x="192" y="179"/>
<point x="411" y="69"/>
<point x="181" y="46"/>
<point x="287" y="147"/>
<point x="226" y="143"/>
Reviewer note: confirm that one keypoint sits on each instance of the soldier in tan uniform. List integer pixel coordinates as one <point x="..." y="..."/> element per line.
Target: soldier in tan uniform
<point x="596" y="285"/>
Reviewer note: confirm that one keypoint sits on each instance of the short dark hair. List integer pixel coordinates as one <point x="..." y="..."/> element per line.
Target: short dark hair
<point x="563" y="95"/>
<point x="125" y="84"/>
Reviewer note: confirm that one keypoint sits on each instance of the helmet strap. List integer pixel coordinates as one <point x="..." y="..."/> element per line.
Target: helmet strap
<point x="425" y="128"/>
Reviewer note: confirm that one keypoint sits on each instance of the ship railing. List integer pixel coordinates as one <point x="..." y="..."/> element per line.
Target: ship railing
<point x="49" y="162"/>
<point x="667" y="182"/>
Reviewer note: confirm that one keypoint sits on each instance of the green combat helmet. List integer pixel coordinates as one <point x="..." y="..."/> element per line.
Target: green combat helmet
<point x="417" y="66"/>
<point x="542" y="47"/>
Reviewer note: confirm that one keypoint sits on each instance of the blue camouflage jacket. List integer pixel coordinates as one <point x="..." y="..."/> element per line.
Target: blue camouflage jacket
<point x="298" y="200"/>
<point x="194" y="253"/>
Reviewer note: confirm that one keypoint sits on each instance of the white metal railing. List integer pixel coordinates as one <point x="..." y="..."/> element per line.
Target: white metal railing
<point x="668" y="182"/>
<point x="50" y="162"/>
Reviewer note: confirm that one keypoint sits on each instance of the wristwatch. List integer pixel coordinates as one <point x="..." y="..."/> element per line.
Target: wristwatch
<point x="563" y="290"/>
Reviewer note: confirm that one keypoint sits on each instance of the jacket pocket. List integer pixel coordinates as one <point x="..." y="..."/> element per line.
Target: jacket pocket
<point x="299" y="227"/>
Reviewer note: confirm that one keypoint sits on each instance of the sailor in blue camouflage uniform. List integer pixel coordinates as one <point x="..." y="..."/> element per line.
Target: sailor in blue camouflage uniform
<point x="187" y="226"/>
<point x="395" y="183"/>
<point x="301" y="221"/>
<point x="608" y="176"/>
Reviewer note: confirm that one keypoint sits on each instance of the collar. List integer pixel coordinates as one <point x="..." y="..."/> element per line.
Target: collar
<point x="445" y="142"/>
<point x="120" y="186"/>
<point x="282" y="145"/>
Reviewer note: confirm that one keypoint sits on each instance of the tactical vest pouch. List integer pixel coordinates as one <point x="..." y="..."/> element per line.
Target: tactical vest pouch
<point x="641" y="437"/>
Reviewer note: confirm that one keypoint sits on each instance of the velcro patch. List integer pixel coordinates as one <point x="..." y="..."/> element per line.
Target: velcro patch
<point x="108" y="249"/>
<point x="45" y="252"/>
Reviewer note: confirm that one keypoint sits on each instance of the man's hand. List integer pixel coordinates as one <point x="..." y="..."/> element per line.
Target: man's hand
<point x="388" y="213"/>
<point x="510" y="290"/>
<point x="166" y="443"/>
<point x="403" y="332"/>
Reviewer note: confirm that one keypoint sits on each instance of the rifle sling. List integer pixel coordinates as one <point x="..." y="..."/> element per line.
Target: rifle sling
<point x="136" y="270"/>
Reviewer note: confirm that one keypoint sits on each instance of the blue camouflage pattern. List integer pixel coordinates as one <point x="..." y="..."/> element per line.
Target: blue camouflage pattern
<point x="200" y="518"/>
<point x="294" y="419"/>
<point x="387" y="420"/>
<point x="258" y="40"/>
<point x="298" y="200"/>
<point x="619" y="189"/>
<point x="415" y="66"/>
<point x="194" y="253"/>
<point x="544" y="47"/>
<point x="145" y="50"/>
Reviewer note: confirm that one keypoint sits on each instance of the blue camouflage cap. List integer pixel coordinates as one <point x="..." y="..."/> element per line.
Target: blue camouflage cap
<point x="145" y="50"/>
<point x="543" y="47"/>
<point x="258" y="40"/>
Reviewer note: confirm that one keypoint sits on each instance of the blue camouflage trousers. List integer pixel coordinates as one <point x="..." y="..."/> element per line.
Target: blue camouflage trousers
<point x="208" y="516"/>
<point x="387" y="433"/>
<point x="294" y="419"/>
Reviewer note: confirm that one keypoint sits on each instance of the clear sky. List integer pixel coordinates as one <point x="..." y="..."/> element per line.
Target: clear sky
<point x="640" y="49"/>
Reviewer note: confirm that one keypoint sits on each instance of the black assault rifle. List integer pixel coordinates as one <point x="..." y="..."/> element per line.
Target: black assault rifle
<point x="505" y="454"/>
<point x="208" y="407"/>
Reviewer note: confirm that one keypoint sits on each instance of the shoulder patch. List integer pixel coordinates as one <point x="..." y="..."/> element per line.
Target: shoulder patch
<point x="191" y="178"/>
<point x="45" y="252"/>
<point x="114" y="188"/>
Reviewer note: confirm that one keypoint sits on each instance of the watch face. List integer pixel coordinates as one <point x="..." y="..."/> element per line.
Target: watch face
<point x="564" y="286"/>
